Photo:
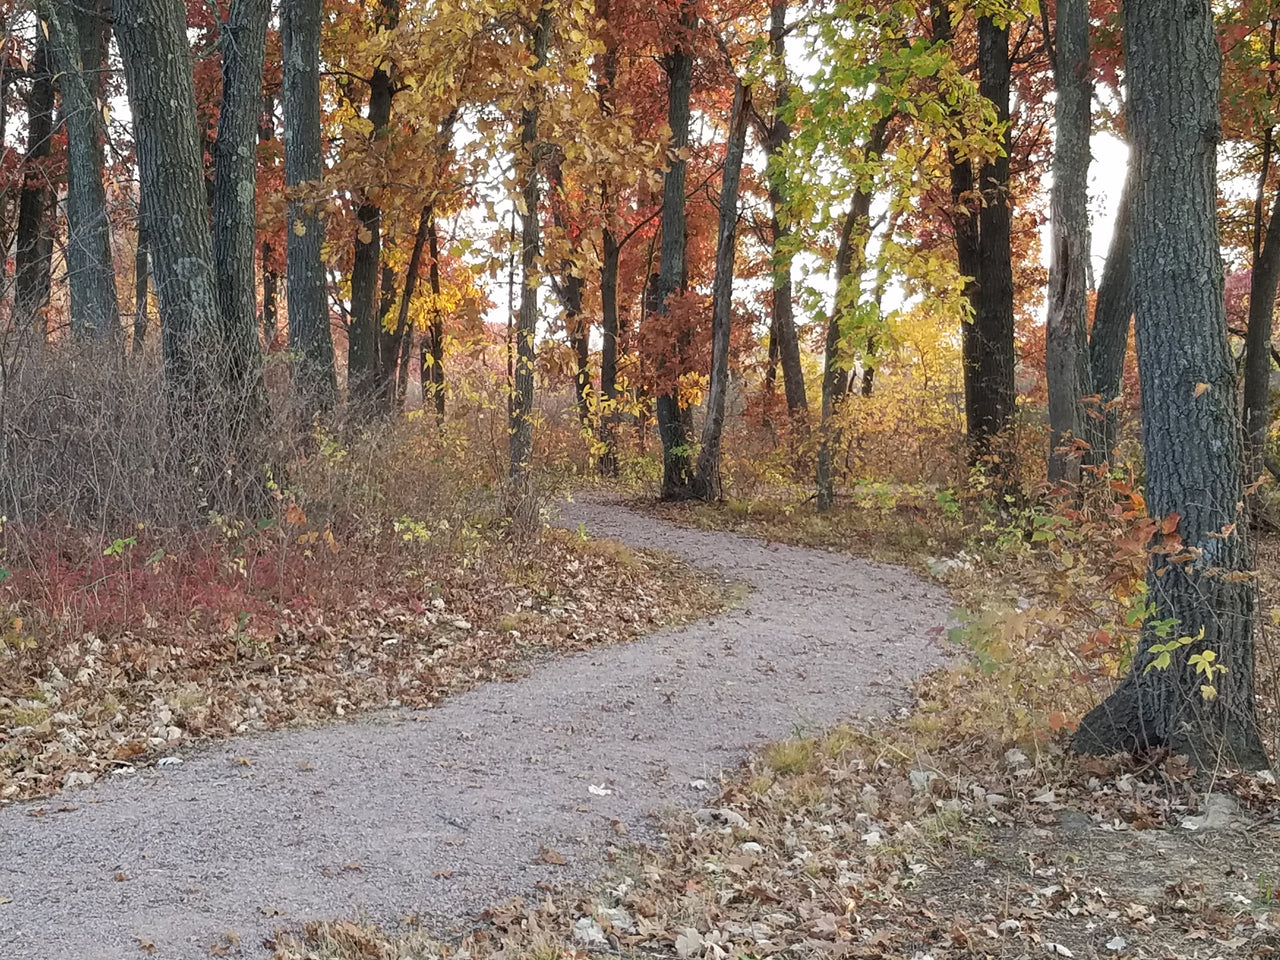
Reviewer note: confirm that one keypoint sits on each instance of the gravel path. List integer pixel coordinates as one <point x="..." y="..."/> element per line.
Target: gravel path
<point x="445" y="812"/>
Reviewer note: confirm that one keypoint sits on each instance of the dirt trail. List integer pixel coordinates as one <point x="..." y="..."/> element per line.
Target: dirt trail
<point x="444" y="812"/>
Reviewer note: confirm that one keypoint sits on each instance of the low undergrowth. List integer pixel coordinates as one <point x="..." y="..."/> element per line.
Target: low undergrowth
<point x="383" y="575"/>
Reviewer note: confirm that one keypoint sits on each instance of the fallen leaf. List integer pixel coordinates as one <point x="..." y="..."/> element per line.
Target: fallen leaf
<point x="552" y="856"/>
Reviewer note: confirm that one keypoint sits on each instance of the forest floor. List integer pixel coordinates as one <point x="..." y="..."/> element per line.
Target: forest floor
<point x="429" y="817"/>
<point x="941" y="831"/>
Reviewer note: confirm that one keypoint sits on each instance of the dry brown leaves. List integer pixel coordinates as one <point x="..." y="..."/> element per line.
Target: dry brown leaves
<point x="410" y="632"/>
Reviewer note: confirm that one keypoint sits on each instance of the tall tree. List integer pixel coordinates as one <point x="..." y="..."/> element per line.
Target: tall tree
<point x="1066" y="337"/>
<point x="310" y="339"/>
<point x="988" y="344"/>
<point x="235" y="157"/>
<point x="1199" y="579"/>
<point x="163" y="103"/>
<point x="610" y="259"/>
<point x="365" y="383"/>
<point x="707" y="484"/>
<point x="1263" y="281"/>
<point x="78" y="36"/>
<point x="783" y="340"/>
<point x="521" y="444"/>
<point x="1109" y="336"/>
<point x="35" y="238"/>
<point x="677" y="463"/>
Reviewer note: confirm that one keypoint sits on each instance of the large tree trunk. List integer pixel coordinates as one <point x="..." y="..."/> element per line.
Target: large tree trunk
<point x="310" y="339"/>
<point x="1109" y="338"/>
<point x="1066" y="340"/>
<point x="270" y="276"/>
<point x="988" y="340"/>
<point x="163" y="103"/>
<point x="235" y="158"/>
<point x="35" y="239"/>
<point x="521" y="445"/>
<point x="850" y="259"/>
<point x="364" y="380"/>
<point x="706" y="479"/>
<point x="782" y="324"/>
<point x="78" y="37"/>
<point x="677" y="464"/>
<point x="1191" y="433"/>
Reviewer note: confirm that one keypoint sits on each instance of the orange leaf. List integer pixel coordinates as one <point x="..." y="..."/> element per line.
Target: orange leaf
<point x="1201" y="389"/>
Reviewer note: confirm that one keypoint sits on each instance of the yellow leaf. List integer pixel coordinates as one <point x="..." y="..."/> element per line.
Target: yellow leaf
<point x="1201" y="388"/>
<point x="299" y="228"/>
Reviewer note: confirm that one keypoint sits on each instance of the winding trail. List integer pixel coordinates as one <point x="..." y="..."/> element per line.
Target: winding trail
<point x="444" y="812"/>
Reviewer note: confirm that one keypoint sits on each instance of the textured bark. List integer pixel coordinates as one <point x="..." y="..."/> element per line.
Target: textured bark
<point x="432" y="373"/>
<point x="521" y="445"/>
<point x="706" y="481"/>
<point x="141" y="274"/>
<point x="310" y="339"/>
<point x="1190" y="429"/>
<point x="1066" y="336"/>
<point x="609" y="352"/>
<point x="1109" y="337"/>
<point x="35" y="238"/>
<point x="270" y="277"/>
<point x="850" y="255"/>
<point x="78" y="38"/>
<point x="391" y="338"/>
<point x="782" y="324"/>
<point x="609" y="264"/>
<point x="569" y="289"/>
<point x="677" y="464"/>
<point x="1262" y="302"/>
<point x="365" y="383"/>
<point x="235" y="171"/>
<point x="153" y="44"/>
<point x="988" y="340"/>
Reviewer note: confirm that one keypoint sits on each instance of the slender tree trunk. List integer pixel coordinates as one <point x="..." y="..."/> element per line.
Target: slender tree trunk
<point x="850" y="257"/>
<point x="569" y="288"/>
<point x="78" y="39"/>
<point x="403" y="326"/>
<point x="364" y="381"/>
<point x="677" y="462"/>
<point x="988" y="341"/>
<point x="609" y="353"/>
<point x="1190" y="427"/>
<point x="521" y="445"/>
<point x="1109" y="338"/>
<point x="163" y="103"/>
<point x="35" y="238"/>
<point x="707" y="483"/>
<point x="235" y="160"/>
<point x="270" y="295"/>
<point x="433" y="346"/>
<point x="609" y="263"/>
<point x="1262" y="301"/>
<point x="141" y="274"/>
<point x="390" y="340"/>
<point x="782" y="325"/>
<point x="1066" y="343"/>
<point x="310" y="339"/>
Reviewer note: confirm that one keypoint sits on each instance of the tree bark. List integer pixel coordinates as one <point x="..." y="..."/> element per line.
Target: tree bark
<point x="988" y="346"/>
<point x="707" y="482"/>
<point x="569" y="288"/>
<point x="310" y="339"/>
<point x="78" y="39"/>
<point x="35" y="238"/>
<point x="153" y="44"/>
<point x="521" y="445"/>
<point x="1109" y="338"/>
<point x="365" y="384"/>
<point x="1066" y="336"/>
<point x="677" y="463"/>
<point x="433" y="345"/>
<point x="141" y="274"/>
<point x="782" y="315"/>
<point x="609" y="264"/>
<point x="235" y="159"/>
<point x="1191" y="437"/>
<point x="270" y="276"/>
